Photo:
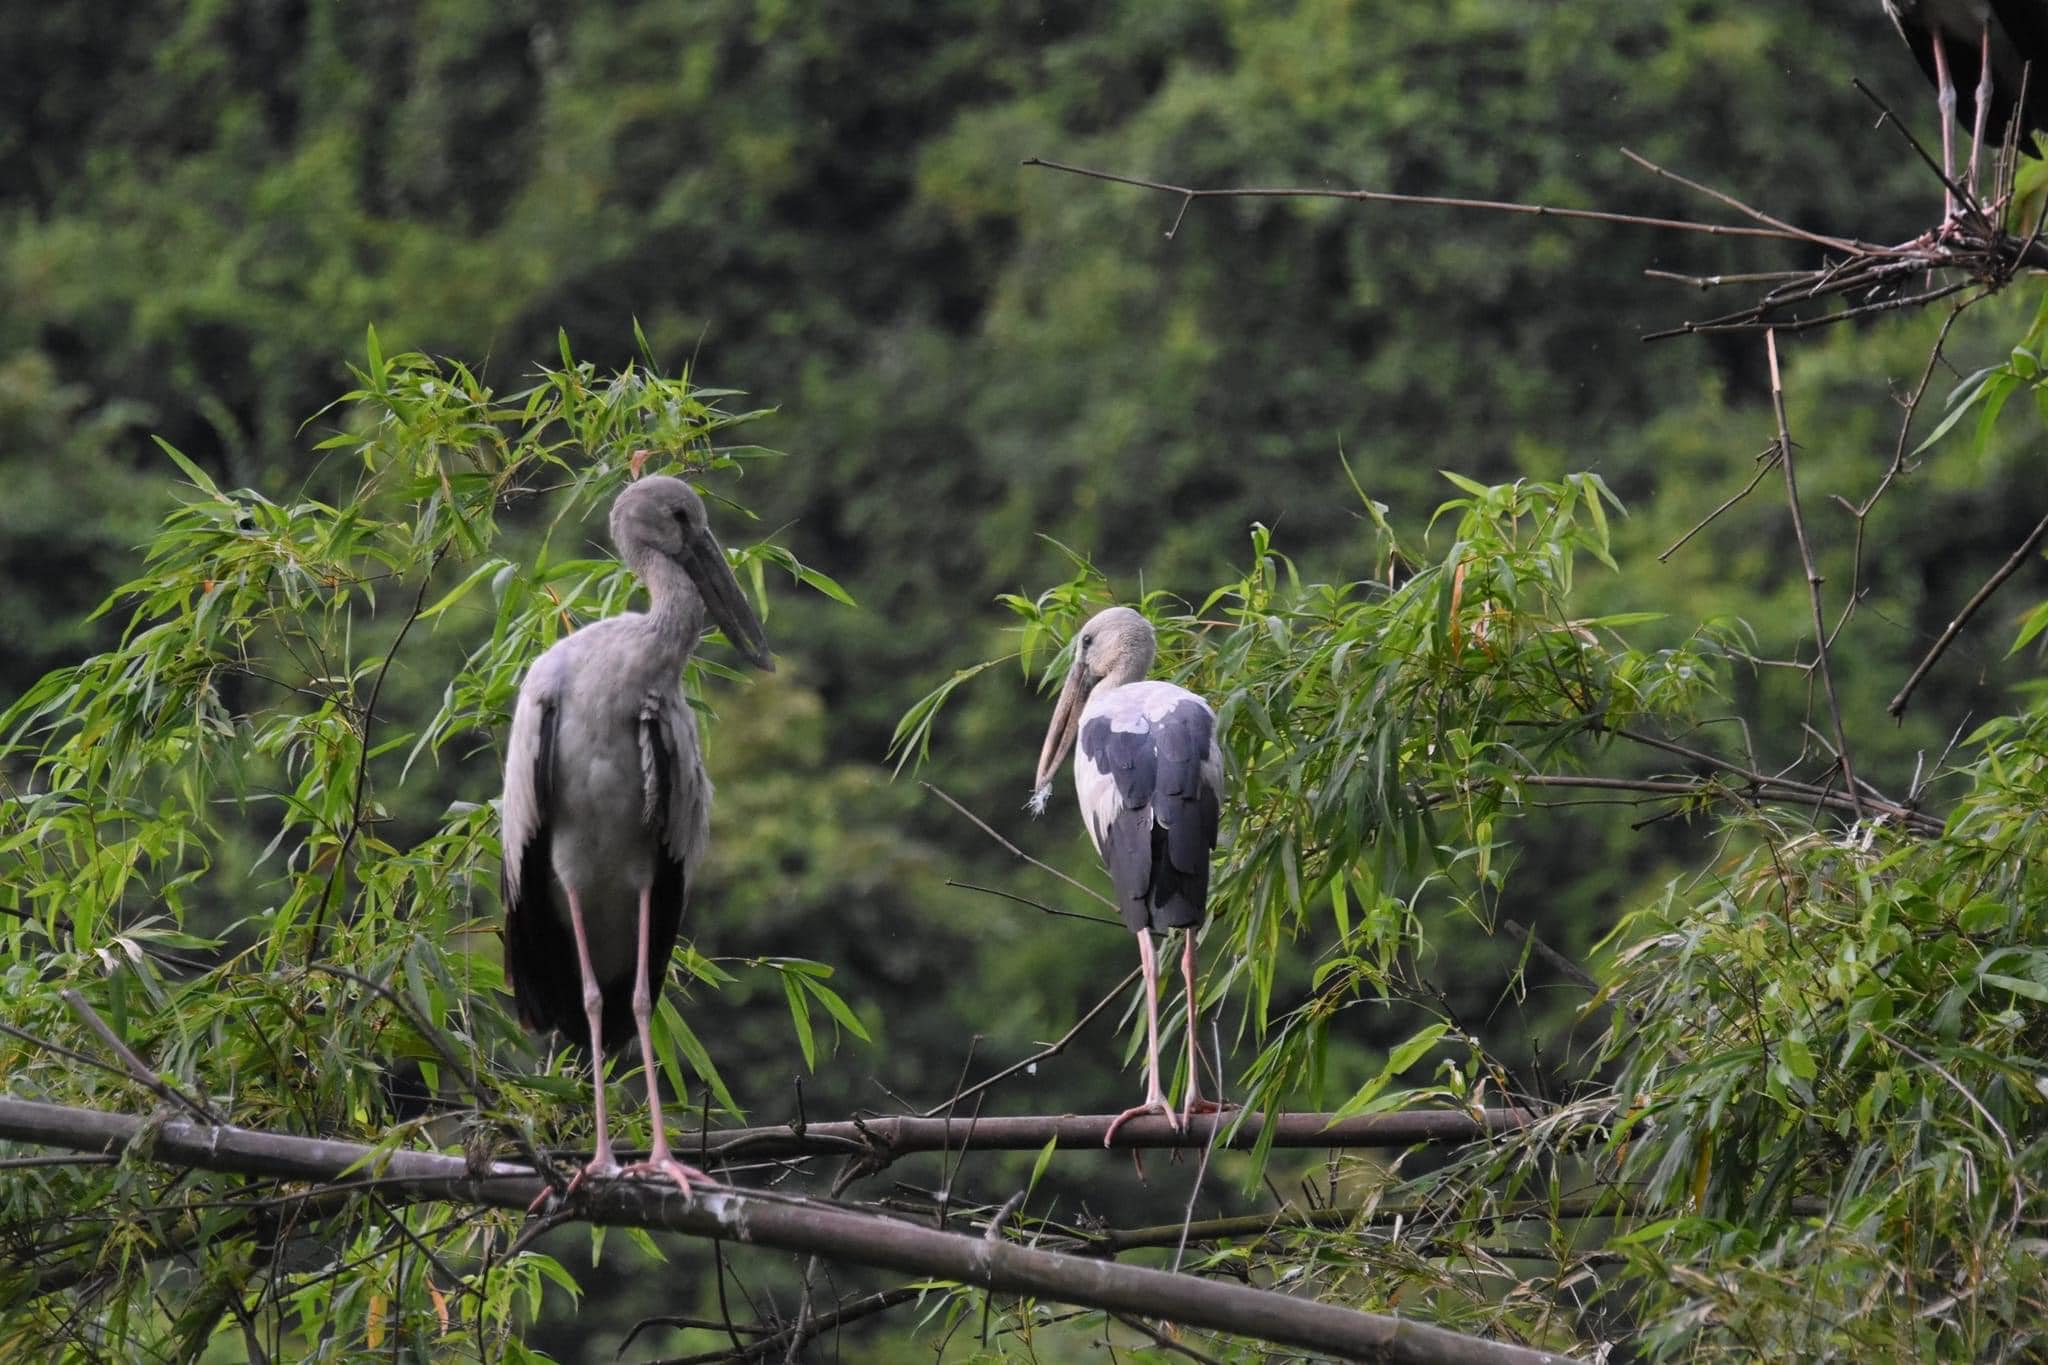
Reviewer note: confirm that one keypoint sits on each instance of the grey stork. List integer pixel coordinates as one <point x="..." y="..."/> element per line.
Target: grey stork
<point x="1149" y="775"/>
<point x="607" y="808"/>
<point x="1984" y="49"/>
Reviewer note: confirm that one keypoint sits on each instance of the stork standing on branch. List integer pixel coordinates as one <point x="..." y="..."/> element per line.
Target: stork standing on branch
<point x="1149" y="775"/>
<point x="1989" y="51"/>
<point x="607" y="807"/>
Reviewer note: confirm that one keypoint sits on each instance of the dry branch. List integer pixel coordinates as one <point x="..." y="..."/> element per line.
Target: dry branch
<point x="1976" y="254"/>
<point x="1189" y="194"/>
<point x="807" y="1226"/>
<point x="1897" y="705"/>
<point x="894" y="1136"/>
<point x="1813" y="576"/>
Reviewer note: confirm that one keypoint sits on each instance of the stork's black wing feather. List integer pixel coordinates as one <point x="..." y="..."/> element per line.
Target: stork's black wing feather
<point x="540" y="952"/>
<point x="2026" y="23"/>
<point x="1157" y="845"/>
<point x="1186" y="814"/>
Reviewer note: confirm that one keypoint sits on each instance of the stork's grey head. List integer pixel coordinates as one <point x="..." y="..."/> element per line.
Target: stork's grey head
<point x="1115" y="647"/>
<point x="663" y="516"/>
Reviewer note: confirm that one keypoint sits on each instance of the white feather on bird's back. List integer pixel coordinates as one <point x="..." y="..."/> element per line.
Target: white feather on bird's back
<point x="1134" y="709"/>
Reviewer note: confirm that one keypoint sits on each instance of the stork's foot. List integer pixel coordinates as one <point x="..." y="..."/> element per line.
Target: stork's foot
<point x="602" y="1169"/>
<point x="1201" y="1105"/>
<point x="667" y="1167"/>
<point x="1155" y="1105"/>
<point x="596" y="1169"/>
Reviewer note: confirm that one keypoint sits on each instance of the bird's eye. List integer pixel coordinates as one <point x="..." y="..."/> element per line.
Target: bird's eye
<point x="1087" y="640"/>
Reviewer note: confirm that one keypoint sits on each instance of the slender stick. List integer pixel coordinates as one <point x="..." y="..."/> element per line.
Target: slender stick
<point x="1039" y="906"/>
<point x="796" y="1336"/>
<point x="1165" y="1342"/>
<point x="983" y="826"/>
<point x="1766" y="467"/>
<point x="1052" y="1049"/>
<point x="1897" y="706"/>
<point x="1729" y="201"/>
<point x="1813" y="578"/>
<point x="362" y="779"/>
<point x="900" y="1135"/>
<point x="1189" y="195"/>
<point x="156" y="1084"/>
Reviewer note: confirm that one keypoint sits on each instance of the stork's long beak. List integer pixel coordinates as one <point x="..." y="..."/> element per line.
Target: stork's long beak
<point x="1066" y="720"/>
<point x="724" y="600"/>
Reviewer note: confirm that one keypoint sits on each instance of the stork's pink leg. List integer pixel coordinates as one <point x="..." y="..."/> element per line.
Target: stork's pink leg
<point x="1983" y="99"/>
<point x="1155" y="1099"/>
<point x="1945" y="101"/>
<point x="659" y="1160"/>
<point x="600" y="1163"/>
<point x="1194" y="1104"/>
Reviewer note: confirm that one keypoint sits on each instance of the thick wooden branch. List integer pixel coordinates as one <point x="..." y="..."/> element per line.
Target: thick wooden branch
<point x="892" y="1136"/>
<point x="807" y="1226"/>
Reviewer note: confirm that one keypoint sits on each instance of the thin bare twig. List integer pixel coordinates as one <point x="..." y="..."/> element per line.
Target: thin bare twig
<point x="1861" y="512"/>
<point x="1052" y="1049"/>
<point x="1187" y="1216"/>
<point x="994" y="1227"/>
<point x="1813" y="577"/>
<point x="1958" y="193"/>
<point x="894" y="1135"/>
<point x="23" y="1163"/>
<point x="1842" y="244"/>
<point x="1165" y="1341"/>
<point x="1189" y="195"/>
<point x="137" y="1070"/>
<point x="362" y="780"/>
<point x="485" y="1096"/>
<point x="1897" y="705"/>
<point x="792" y="1338"/>
<point x="983" y="826"/>
<point x="1039" y="906"/>
<point x="1706" y="788"/>
<point x="1778" y="784"/>
<point x="1770" y="462"/>
<point x="1571" y="970"/>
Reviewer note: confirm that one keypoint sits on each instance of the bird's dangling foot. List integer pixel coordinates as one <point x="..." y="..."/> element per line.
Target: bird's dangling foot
<point x="1155" y="1104"/>
<point x="661" y="1164"/>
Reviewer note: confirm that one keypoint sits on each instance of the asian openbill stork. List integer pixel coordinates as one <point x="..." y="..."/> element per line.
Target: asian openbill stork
<point x="607" y="808"/>
<point x="1979" y="54"/>
<point x="1149" y="775"/>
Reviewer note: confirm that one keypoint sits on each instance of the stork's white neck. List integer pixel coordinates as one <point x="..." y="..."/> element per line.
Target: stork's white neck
<point x="676" y="608"/>
<point x="1132" y="667"/>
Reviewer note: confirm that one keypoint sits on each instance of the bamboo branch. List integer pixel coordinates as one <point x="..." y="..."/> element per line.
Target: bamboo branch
<point x="814" y="1227"/>
<point x="901" y="1135"/>
<point x="1339" y="1217"/>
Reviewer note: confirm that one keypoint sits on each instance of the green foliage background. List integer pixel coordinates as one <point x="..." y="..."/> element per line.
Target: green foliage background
<point x="205" y="206"/>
